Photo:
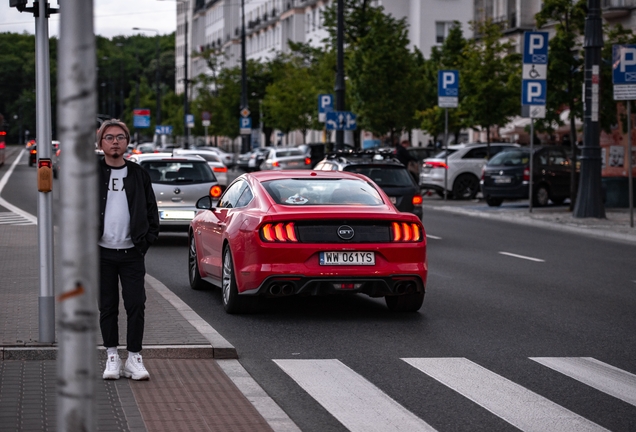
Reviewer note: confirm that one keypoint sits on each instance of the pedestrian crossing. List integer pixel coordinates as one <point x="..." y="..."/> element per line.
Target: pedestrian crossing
<point x="11" y="218"/>
<point x="361" y="406"/>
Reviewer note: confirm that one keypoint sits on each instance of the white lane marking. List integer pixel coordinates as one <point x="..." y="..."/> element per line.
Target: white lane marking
<point x="433" y="237"/>
<point x="601" y="376"/>
<point x="359" y="405"/>
<point x="5" y="177"/>
<point x="4" y="203"/>
<point x="513" y="403"/>
<point x="522" y="257"/>
<point x="10" y="218"/>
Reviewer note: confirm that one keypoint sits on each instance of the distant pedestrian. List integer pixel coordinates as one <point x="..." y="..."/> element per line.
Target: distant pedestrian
<point x="407" y="159"/>
<point x="129" y="224"/>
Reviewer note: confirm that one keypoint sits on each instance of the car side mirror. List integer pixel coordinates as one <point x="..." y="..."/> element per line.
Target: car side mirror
<point x="204" y="203"/>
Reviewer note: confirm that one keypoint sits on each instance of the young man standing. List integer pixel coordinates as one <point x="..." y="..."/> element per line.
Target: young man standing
<point x="129" y="224"/>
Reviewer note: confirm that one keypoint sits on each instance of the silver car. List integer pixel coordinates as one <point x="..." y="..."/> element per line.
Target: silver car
<point x="178" y="182"/>
<point x="213" y="159"/>
<point x="286" y="158"/>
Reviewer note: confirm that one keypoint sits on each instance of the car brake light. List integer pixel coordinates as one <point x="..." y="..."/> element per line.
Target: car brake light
<point x="417" y="199"/>
<point x="34" y="151"/>
<point x="406" y="232"/>
<point x="526" y="174"/>
<point x="280" y="232"/>
<point x="215" y="191"/>
<point x="275" y="163"/>
<point x="220" y="169"/>
<point x="433" y="164"/>
<point x="307" y="161"/>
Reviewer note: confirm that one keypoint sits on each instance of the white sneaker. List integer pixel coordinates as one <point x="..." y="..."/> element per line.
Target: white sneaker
<point x="135" y="369"/>
<point x="113" y="367"/>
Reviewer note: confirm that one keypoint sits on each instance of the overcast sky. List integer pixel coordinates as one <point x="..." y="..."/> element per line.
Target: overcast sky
<point x="112" y="17"/>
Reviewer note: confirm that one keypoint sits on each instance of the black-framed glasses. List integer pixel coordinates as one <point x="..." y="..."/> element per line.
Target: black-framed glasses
<point x="110" y="138"/>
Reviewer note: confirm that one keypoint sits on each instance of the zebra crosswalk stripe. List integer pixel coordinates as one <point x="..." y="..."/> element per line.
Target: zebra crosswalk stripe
<point x="513" y="403"/>
<point x="10" y="218"/>
<point x="601" y="376"/>
<point x="367" y="408"/>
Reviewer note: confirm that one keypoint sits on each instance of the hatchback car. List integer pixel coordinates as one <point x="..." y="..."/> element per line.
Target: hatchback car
<point x="228" y="159"/>
<point x="212" y="158"/>
<point x="465" y="162"/>
<point x="178" y="182"/>
<point x="283" y="233"/>
<point x="388" y="173"/>
<point x="252" y="160"/>
<point x="507" y="176"/>
<point x="282" y="158"/>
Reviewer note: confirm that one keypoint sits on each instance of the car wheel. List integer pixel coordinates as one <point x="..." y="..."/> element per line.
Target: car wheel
<point x="465" y="187"/>
<point x="540" y="196"/>
<point x="196" y="283"/>
<point x="406" y="302"/>
<point x="493" y="202"/>
<point x="232" y="301"/>
<point x="31" y="163"/>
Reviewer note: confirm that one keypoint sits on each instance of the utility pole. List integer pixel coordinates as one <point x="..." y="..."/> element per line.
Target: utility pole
<point x="185" y="76"/>
<point x="77" y="297"/>
<point x="245" y="139"/>
<point x="589" y="202"/>
<point x="340" y="81"/>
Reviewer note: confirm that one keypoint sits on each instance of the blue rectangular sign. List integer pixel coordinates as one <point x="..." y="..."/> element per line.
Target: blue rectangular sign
<point x="534" y="92"/>
<point x="163" y="130"/>
<point x="245" y="125"/>
<point x="340" y="120"/>
<point x="624" y="64"/>
<point x="325" y="103"/>
<point x="535" y="48"/>
<point x="448" y="83"/>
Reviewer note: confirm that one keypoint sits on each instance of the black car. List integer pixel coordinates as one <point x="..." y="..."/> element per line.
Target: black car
<point x="387" y="172"/>
<point x="507" y="176"/>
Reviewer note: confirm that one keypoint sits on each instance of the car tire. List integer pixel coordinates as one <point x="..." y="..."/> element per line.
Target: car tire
<point x="405" y="302"/>
<point x="196" y="283"/>
<point x="232" y="301"/>
<point x="465" y="187"/>
<point x="493" y="202"/>
<point x="31" y="162"/>
<point x="540" y="196"/>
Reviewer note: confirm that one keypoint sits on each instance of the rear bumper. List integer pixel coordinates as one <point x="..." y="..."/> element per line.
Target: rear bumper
<point x="514" y="192"/>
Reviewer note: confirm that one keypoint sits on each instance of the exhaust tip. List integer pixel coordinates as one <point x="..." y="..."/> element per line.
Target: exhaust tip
<point x="287" y="289"/>
<point x="275" y="290"/>
<point x="400" y="288"/>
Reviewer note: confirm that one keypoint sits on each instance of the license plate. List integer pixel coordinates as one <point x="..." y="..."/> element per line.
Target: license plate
<point x="500" y="180"/>
<point x="347" y="258"/>
<point x="176" y="214"/>
<point x="293" y="163"/>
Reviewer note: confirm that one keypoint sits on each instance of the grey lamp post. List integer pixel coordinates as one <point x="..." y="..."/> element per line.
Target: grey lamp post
<point x="157" y="81"/>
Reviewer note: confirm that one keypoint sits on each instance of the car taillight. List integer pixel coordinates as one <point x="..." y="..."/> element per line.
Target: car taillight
<point x="307" y="161"/>
<point x="279" y="232"/>
<point x="275" y="164"/>
<point x="220" y="169"/>
<point x="34" y="151"/>
<point x="215" y="191"/>
<point x="433" y="164"/>
<point x="406" y="232"/>
<point x="526" y="174"/>
<point x="135" y="151"/>
<point x="417" y="199"/>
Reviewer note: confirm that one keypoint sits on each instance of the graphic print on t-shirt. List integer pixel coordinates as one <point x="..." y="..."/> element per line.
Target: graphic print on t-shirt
<point x="116" y="217"/>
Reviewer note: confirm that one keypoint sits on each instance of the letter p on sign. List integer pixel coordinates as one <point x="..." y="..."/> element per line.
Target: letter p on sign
<point x="448" y="79"/>
<point x="628" y="57"/>
<point x="536" y="43"/>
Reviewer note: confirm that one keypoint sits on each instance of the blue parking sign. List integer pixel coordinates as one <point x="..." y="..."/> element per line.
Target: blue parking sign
<point x="534" y="92"/>
<point x="624" y="64"/>
<point x="448" y="83"/>
<point x="535" y="49"/>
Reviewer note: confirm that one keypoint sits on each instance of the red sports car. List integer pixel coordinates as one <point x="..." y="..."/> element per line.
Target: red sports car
<point x="282" y="233"/>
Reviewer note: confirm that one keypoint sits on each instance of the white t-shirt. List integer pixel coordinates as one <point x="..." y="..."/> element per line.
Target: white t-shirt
<point x="117" y="216"/>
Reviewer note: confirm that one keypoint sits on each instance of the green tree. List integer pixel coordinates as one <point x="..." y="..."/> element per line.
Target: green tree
<point x="492" y="83"/>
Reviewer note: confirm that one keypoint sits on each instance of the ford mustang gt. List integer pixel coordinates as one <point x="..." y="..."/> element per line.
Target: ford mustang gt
<point x="283" y="233"/>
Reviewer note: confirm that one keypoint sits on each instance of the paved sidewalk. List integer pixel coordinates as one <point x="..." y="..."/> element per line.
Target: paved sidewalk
<point x="197" y="383"/>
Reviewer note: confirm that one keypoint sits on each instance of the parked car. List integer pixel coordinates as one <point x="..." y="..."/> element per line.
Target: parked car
<point x="228" y="159"/>
<point x="388" y="173"/>
<point x="212" y="158"/>
<point x="178" y="182"/>
<point x="251" y="161"/>
<point x="465" y="162"/>
<point x="507" y="176"/>
<point x="144" y="148"/>
<point x="282" y="158"/>
<point x="301" y="232"/>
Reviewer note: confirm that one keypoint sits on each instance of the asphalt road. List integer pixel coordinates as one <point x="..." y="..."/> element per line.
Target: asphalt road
<point x="501" y="299"/>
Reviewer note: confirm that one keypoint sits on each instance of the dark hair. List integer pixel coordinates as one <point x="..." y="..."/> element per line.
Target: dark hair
<point x="109" y="123"/>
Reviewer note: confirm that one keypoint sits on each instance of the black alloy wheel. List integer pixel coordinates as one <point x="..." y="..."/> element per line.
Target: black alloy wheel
<point x="541" y="196"/>
<point x="196" y="283"/>
<point x="493" y="202"/>
<point x="232" y="301"/>
<point x="465" y="187"/>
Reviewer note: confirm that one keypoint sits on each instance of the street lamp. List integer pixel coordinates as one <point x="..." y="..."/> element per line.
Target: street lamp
<point x="157" y="83"/>
<point x="185" y="72"/>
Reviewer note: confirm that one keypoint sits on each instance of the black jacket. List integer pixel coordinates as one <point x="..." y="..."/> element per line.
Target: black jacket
<point x="142" y="204"/>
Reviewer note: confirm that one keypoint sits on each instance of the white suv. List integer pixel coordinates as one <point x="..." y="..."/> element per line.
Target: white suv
<point x="465" y="162"/>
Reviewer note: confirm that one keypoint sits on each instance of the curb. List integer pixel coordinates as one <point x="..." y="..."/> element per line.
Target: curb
<point x="149" y="352"/>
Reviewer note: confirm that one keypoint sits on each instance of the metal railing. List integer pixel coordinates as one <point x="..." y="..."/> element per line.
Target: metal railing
<point x="607" y="4"/>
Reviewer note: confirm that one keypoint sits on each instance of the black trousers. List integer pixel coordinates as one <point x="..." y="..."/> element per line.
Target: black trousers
<point x="127" y="266"/>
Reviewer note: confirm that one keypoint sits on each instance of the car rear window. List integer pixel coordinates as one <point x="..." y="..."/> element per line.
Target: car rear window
<point x="296" y="192"/>
<point x="510" y="158"/>
<point x="442" y="154"/>
<point x="285" y="153"/>
<point x="179" y="172"/>
<point x="385" y="176"/>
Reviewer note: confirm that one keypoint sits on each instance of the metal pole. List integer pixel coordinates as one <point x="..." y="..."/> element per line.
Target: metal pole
<point x="245" y="144"/>
<point x="340" y="79"/>
<point x="185" y="78"/>
<point x="77" y="297"/>
<point x="589" y="202"/>
<point x="630" y="187"/>
<point x="445" y="154"/>
<point x="530" y="185"/>
<point x="46" y="301"/>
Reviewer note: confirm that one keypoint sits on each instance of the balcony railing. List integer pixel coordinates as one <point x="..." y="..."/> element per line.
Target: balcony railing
<point x="605" y="4"/>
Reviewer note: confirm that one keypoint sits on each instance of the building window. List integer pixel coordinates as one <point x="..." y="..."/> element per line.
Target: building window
<point x="441" y="31"/>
